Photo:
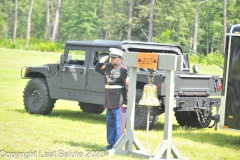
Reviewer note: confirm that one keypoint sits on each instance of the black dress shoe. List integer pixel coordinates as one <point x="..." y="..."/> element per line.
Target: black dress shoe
<point x="108" y="147"/>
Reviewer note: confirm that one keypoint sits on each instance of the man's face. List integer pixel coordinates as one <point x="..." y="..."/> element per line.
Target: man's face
<point x="115" y="60"/>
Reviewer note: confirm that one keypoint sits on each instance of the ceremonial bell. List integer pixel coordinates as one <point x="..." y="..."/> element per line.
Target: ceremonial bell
<point x="149" y="97"/>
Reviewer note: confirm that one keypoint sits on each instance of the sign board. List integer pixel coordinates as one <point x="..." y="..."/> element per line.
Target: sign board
<point x="147" y="60"/>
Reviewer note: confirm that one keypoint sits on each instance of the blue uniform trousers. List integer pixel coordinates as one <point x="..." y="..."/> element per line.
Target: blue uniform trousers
<point x="114" y="124"/>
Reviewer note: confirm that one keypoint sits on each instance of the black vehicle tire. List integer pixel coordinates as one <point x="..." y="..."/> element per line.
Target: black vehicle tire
<point x="36" y="97"/>
<point x="141" y="112"/>
<point x="187" y="118"/>
<point x="91" y="108"/>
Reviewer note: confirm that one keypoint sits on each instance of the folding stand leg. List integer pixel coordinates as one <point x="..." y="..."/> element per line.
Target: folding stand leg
<point x="167" y="147"/>
<point x="129" y="138"/>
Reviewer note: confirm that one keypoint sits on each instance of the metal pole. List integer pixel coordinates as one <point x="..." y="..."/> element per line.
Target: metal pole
<point x="166" y="147"/>
<point x="169" y="113"/>
<point x="147" y="129"/>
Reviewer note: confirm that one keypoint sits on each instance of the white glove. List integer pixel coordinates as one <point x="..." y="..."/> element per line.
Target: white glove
<point x="103" y="59"/>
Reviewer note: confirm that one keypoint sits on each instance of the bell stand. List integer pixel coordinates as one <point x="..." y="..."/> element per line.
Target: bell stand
<point x="167" y="62"/>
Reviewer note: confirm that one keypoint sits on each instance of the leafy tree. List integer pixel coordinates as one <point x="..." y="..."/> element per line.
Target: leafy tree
<point x="79" y="20"/>
<point x="173" y="22"/>
<point x="178" y="19"/>
<point x="3" y="26"/>
<point x="6" y="15"/>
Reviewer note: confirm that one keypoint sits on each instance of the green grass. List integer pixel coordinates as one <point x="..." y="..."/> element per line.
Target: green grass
<point x="209" y="69"/>
<point x="69" y="130"/>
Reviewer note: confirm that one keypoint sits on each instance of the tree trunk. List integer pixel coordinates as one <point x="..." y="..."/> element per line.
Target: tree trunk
<point x="56" y="23"/>
<point x="207" y="40"/>
<point x="196" y="25"/>
<point x="191" y="40"/>
<point x="224" y="24"/>
<point x="9" y="22"/>
<point x="15" y="21"/>
<point x="195" y="30"/>
<point x="48" y="26"/>
<point x="102" y="17"/>
<point x="106" y="35"/>
<point x="22" y="17"/>
<point x="29" y="23"/>
<point x="212" y="49"/>
<point x="130" y="20"/>
<point x="151" y="21"/>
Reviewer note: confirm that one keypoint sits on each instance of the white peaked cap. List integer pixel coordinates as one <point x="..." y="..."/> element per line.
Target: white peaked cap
<point x="116" y="52"/>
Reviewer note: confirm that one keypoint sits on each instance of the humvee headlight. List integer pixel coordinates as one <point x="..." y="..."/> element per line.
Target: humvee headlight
<point x="27" y="70"/>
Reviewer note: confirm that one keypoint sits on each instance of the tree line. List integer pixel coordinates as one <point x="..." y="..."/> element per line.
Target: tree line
<point x="198" y="25"/>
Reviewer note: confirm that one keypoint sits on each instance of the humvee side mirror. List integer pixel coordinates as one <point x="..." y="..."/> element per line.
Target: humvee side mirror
<point x="195" y="69"/>
<point x="186" y="61"/>
<point x="69" y="58"/>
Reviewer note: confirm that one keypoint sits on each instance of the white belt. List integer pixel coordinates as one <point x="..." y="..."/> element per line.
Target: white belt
<point x="113" y="86"/>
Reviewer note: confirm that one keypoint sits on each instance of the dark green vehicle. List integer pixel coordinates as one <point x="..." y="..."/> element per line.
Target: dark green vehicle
<point x="74" y="78"/>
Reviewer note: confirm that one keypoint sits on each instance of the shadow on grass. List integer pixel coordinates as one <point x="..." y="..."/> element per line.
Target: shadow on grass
<point x="73" y="116"/>
<point x="218" y="139"/>
<point x="160" y="127"/>
<point x="90" y="118"/>
<point x="93" y="151"/>
<point x="86" y="145"/>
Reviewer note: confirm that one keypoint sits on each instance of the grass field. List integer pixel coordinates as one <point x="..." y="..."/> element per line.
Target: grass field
<point x="210" y="69"/>
<point x="69" y="132"/>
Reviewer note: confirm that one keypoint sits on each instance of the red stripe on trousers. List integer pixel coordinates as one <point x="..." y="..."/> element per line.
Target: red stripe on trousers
<point x="123" y="124"/>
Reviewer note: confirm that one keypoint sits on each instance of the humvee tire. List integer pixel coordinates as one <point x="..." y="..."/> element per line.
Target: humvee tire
<point x="36" y="97"/>
<point x="190" y="119"/>
<point x="141" y="112"/>
<point x="91" y="108"/>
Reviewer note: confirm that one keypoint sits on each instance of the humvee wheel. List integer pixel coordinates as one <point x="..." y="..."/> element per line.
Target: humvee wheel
<point x="91" y="108"/>
<point x="36" y="97"/>
<point x="141" y="112"/>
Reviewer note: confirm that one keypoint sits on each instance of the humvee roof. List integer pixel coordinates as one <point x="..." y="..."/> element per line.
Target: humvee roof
<point x="128" y="45"/>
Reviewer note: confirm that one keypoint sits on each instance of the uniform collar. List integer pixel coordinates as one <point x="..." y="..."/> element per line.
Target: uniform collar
<point x="117" y="65"/>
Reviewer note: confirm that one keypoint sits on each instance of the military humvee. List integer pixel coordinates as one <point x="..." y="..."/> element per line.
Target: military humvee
<point x="74" y="78"/>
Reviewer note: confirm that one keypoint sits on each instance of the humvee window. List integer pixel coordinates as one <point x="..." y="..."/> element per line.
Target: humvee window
<point x="76" y="57"/>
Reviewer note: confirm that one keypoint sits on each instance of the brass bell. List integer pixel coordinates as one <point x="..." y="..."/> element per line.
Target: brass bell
<point x="149" y="97"/>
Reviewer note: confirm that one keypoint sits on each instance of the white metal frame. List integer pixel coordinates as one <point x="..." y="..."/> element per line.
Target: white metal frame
<point x="170" y="63"/>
